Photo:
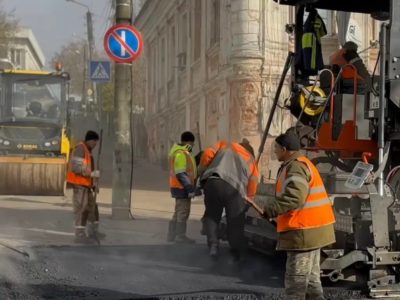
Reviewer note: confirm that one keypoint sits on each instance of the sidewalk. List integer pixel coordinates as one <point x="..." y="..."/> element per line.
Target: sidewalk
<point x="44" y="221"/>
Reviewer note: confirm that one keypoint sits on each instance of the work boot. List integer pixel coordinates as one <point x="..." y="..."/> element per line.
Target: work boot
<point x="82" y="238"/>
<point x="93" y="231"/>
<point x="235" y="257"/>
<point x="181" y="234"/>
<point x="171" y="231"/>
<point x="214" y="251"/>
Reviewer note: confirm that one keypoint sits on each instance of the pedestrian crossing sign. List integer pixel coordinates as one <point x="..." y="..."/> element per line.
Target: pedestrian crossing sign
<point x="100" y="71"/>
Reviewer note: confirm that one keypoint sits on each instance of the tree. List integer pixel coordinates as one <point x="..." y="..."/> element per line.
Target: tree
<point x="106" y="92"/>
<point x="72" y="56"/>
<point x="8" y="26"/>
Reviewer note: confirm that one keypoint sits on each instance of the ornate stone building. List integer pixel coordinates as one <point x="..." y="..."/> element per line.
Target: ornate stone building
<point x="212" y="66"/>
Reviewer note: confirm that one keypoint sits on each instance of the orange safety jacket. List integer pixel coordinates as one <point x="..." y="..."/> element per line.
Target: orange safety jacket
<point x="315" y="212"/>
<point x="174" y="183"/>
<point x="348" y="72"/>
<point x="226" y="160"/>
<point x="79" y="179"/>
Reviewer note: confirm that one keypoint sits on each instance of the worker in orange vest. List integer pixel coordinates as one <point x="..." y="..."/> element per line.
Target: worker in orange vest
<point x="228" y="172"/>
<point x="348" y="55"/>
<point x="81" y="175"/>
<point x="304" y="217"/>
<point x="182" y="178"/>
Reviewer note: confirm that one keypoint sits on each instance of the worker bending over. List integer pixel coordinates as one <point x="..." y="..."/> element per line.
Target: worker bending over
<point x="228" y="172"/>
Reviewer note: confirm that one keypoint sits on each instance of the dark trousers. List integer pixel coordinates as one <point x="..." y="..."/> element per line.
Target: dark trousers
<point x="220" y="195"/>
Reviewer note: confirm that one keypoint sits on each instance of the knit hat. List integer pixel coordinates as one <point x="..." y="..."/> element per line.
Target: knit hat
<point x="289" y="140"/>
<point x="91" y="136"/>
<point x="245" y="143"/>
<point x="187" y="136"/>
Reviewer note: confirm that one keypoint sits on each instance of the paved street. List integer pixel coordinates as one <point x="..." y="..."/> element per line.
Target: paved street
<point x="133" y="262"/>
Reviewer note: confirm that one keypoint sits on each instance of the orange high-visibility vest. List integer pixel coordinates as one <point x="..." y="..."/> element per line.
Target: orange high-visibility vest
<point x="212" y="154"/>
<point x="78" y="179"/>
<point x="316" y="211"/>
<point x="348" y="72"/>
<point x="173" y="181"/>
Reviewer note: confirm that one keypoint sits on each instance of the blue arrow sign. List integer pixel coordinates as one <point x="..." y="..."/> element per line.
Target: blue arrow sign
<point x="100" y="71"/>
<point x="123" y="43"/>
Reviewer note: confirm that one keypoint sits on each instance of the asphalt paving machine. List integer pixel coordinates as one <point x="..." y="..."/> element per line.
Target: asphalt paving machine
<point x="353" y="133"/>
<point x="34" y="138"/>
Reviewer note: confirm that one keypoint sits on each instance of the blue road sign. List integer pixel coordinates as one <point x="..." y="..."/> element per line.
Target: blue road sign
<point x="100" y="71"/>
<point x="123" y="43"/>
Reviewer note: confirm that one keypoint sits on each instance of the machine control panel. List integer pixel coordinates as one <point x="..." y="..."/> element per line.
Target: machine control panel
<point x="360" y="173"/>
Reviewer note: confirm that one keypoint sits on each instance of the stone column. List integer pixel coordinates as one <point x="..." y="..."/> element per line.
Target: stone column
<point x="246" y="62"/>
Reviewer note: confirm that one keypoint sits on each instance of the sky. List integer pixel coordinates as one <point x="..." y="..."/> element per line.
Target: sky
<point x="57" y="22"/>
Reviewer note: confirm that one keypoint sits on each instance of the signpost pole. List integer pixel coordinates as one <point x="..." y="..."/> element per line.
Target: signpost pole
<point x="121" y="187"/>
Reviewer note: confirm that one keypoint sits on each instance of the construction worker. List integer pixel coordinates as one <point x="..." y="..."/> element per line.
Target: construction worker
<point x="348" y="55"/>
<point x="183" y="172"/>
<point x="81" y="175"/>
<point x="304" y="218"/>
<point x="229" y="174"/>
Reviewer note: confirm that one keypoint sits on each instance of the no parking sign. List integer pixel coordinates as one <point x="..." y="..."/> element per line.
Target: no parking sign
<point x="123" y="43"/>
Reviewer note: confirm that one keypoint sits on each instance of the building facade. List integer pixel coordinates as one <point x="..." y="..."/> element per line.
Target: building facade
<point x="212" y="67"/>
<point x="24" y="50"/>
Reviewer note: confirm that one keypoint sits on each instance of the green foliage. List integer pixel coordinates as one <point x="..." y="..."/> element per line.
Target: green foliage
<point x="106" y="93"/>
<point x="8" y="26"/>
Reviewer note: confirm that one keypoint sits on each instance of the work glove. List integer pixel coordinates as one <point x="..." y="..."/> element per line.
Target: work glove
<point x="191" y="195"/>
<point x="198" y="191"/>
<point x="96" y="189"/>
<point x="95" y="174"/>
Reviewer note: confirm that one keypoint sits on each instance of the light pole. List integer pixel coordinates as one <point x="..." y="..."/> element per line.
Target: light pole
<point x="89" y="24"/>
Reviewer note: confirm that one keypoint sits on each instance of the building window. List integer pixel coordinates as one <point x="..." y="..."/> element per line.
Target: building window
<point x="197" y="30"/>
<point x="183" y="40"/>
<point x="172" y="53"/>
<point x="154" y="67"/>
<point x="17" y="57"/>
<point x="214" y="22"/>
<point x="162" y="60"/>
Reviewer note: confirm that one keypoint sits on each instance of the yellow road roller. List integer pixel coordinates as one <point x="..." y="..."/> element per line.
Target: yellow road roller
<point x="34" y="135"/>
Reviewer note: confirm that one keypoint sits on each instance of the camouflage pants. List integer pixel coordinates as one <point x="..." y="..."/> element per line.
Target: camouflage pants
<point x="84" y="206"/>
<point x="302" y="277"/>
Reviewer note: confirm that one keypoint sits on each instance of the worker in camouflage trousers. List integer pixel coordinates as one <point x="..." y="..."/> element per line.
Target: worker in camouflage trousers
<point x="304" y="218"/>
<point x="83" y="178"/>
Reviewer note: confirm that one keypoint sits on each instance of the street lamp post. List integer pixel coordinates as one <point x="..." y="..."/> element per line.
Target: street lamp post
<point x="89" y="24"/>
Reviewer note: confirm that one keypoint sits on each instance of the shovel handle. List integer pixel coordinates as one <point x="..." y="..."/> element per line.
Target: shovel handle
<point x="255" y="206"/>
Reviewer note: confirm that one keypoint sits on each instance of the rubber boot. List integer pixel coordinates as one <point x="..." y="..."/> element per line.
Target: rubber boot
<point x="82" y="238"/>
<point x="214" y="251"/>
<point x="171" y="231"/>
<point x="181" y="234"/>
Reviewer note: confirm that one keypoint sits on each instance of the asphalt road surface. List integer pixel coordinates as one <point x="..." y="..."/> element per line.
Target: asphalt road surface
<point x="142" y="272"/>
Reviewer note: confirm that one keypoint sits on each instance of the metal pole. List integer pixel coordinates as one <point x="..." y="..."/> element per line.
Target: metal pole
<point x="288" y="64"/>
<point x="122" y="144"/>
<point x="84" y="85"/>
<point x="89" y="24"/>
<point x="382" y="106"/>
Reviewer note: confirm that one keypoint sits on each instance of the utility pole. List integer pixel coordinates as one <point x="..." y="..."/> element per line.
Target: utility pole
<point x="121" y="190"/>
<point x="85" y="76"/>
<point x="89" y="24"/>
